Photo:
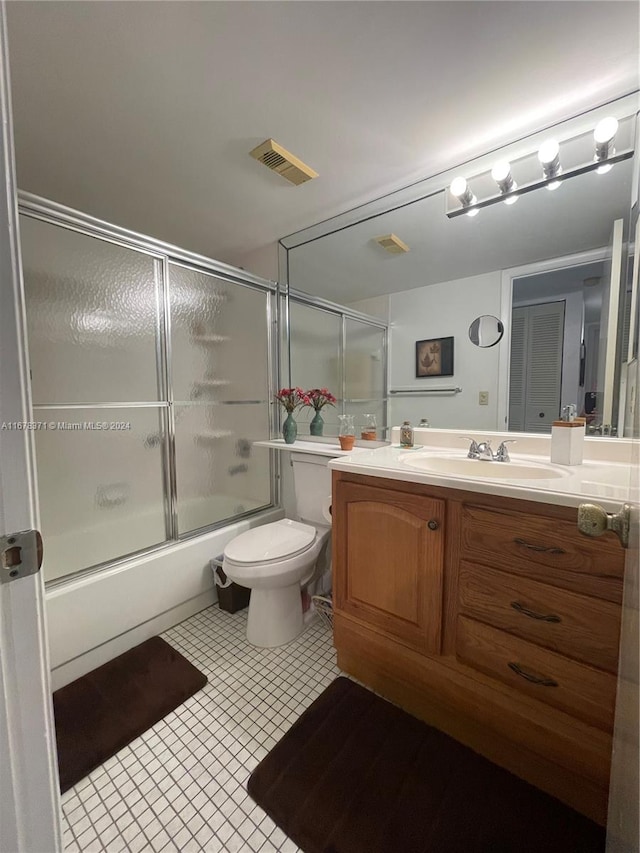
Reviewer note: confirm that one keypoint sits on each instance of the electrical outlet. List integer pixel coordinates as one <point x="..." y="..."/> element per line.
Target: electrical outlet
<point x="483" y="398"/>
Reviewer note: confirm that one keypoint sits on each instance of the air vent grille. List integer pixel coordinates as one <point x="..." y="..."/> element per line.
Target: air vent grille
<point x="279" y="160"/>
<point x="392" y="244"/>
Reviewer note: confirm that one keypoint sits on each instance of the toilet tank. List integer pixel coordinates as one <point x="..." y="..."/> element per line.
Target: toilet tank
<point x="312" y="483"/>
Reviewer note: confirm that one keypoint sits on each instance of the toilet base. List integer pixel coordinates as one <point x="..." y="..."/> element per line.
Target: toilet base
<point x="275" y="616"/>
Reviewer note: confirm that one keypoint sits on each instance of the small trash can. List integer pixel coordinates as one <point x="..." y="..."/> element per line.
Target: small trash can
<point x="231" y="596"/>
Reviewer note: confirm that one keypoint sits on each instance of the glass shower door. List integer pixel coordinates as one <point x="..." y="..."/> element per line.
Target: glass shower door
<point x="93" y="322"/>
<point x="220" y="365"/>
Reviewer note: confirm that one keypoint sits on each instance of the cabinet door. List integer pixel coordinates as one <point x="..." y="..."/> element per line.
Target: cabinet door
<point x="389" y="562"/>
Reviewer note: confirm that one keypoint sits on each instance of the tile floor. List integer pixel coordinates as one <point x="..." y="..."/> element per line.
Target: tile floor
<point x="181" y="786"/>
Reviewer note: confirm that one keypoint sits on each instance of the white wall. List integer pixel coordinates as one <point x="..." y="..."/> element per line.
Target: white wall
<point x="376" y="306"/>
<point x="262" y="261"/>
<point x="437" y="311"/>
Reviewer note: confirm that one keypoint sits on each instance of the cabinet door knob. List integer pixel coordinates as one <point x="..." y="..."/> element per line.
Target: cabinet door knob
<point x="432" y="524"/>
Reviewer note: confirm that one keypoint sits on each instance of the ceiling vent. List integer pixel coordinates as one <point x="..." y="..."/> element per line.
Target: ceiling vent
<point x="279" y="160"/>
<point x="392" y="244"/>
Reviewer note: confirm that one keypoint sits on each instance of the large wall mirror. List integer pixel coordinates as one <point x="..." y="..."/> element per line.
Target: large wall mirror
<point x="555" y="270"/>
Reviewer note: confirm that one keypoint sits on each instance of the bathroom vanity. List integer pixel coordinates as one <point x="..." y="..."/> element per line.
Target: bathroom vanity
<point x="484" y="611"/>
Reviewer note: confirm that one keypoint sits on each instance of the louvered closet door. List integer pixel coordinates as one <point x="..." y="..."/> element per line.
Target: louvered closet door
<point x="536" y="370"/>
<point x="518" y="369"/>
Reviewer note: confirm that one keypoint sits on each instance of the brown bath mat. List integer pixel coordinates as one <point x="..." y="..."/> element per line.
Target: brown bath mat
<point x="355" y="774"/>
<point x="106" y="709"/>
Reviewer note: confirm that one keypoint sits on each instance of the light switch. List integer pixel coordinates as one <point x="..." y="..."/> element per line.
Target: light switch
<point x="483" y="398"/>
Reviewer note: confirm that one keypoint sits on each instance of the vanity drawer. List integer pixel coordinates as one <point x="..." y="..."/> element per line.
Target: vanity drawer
<point x="577" y="626"/>
<point x="579" y="690"/>
<point x="543" y="548"/>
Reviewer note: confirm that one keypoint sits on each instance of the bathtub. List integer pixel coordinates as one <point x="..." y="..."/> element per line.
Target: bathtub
<point x="95" y="616"/>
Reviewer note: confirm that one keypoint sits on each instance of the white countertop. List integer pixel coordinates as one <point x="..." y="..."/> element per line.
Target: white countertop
<point x="603" y="482"/>
<point x="316" y="448"/>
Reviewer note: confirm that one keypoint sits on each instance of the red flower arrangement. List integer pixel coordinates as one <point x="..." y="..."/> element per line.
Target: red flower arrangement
<point x="293" y="398"/>
<point x="319" y="397"/>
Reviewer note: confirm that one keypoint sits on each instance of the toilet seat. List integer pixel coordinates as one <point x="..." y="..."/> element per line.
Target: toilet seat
<point x="271" y="543"/>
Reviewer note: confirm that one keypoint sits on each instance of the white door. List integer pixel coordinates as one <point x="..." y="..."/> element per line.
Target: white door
<point x="623" y="825"/>
<point x="29" y="799"/>
<point x="609" y="326"/>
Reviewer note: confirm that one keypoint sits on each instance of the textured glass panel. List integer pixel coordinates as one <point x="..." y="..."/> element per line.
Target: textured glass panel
<point x="364" y="373"/>
<point x="219" y="343"/>
<point x="220" y="473"/>
<point x="91" y="317"/>
<point x="364" y="361"/>
<point x="101" y="490"/>
<point x="316" y="338"/>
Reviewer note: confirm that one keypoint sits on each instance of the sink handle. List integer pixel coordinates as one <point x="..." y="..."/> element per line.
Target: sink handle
<point x="502" y="453"/>
<point x="473" y="448"/>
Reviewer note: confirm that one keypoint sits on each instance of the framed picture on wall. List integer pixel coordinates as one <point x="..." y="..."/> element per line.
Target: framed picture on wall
<point x="434" y="357"/>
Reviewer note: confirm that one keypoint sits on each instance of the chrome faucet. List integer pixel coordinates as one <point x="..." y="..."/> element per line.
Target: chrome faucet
<point x="483" y="451"/>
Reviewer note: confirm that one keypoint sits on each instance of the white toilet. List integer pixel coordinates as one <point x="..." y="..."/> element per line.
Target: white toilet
<point x="277" y="559"/>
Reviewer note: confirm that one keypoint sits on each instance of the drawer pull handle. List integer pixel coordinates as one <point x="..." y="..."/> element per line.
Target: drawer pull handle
<point x="534" y="679"/>
<point x="533" y="615"/>
<point x="541" y="548"/>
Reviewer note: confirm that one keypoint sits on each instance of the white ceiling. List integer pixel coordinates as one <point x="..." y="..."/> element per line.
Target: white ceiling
<point x="144" y="113"/>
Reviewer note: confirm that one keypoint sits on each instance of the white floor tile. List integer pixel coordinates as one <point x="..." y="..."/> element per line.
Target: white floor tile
<point x="182" y="785"/>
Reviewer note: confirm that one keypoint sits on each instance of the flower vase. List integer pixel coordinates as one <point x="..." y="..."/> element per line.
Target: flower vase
<point x="289" y="429"/>
<point x="317" y="424"/>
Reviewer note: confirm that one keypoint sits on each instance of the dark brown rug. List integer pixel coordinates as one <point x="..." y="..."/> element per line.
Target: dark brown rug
<point x="106" y="709"/>
<point x="355" y="774"/>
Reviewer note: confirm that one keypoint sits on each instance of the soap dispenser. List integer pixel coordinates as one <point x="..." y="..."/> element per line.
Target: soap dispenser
<point x="567" y="438"/>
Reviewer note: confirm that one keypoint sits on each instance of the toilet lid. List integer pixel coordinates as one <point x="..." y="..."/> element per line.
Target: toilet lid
<point x="274" y="541"/>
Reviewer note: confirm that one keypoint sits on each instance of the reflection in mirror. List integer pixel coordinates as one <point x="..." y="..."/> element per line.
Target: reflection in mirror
<point x="506" y="262"/>
<point x="333" y="349"/>
<point x="486" y="331"/>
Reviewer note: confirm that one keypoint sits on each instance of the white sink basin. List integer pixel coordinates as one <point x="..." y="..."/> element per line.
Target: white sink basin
<point x="457" y="466"/>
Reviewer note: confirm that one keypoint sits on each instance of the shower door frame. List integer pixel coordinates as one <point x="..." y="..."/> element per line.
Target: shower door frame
<point x="163" y="255"/>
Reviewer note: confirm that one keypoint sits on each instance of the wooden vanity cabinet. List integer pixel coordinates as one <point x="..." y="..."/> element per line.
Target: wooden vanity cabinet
<point x="390" y="546"/>
<point x="493" y="619"/>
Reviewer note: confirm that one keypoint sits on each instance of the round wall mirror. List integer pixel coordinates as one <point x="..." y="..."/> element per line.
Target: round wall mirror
<point x="486" y="331"/>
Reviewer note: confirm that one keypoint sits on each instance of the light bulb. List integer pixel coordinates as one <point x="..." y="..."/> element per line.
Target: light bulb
<point x="602" y="170"/>
<point x="473" y="212"/>
<point x="458" y="187"/>
<point x="461" y="191"/>
<point x="554" y="185"/>
<point x="548" y="151"/>
<point x="605" y="130"/>
<point x="501" y="171"/>
<point x="501" y="174"/>
<point x="604" y="136"/>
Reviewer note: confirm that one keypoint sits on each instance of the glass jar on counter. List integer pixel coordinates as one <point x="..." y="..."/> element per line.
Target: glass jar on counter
<point x="346" y="432"/>
<point x="369" y="431"/>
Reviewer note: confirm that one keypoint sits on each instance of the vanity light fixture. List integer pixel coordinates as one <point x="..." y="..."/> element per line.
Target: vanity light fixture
<point x="549" y="157"/>
<point x="460" y="189"/>
<point x="553" y="173"/>
<point x="501" y="174"/>
<point x="604" y="136"/>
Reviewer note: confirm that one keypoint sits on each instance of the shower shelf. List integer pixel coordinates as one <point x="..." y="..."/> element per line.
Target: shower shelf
<point x="211" y="339"/>
<point x="213" y="435"/>
<point x="212" y="383"/>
